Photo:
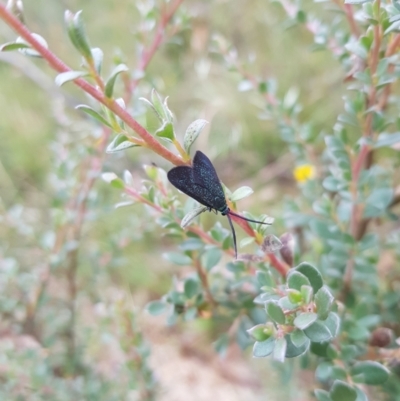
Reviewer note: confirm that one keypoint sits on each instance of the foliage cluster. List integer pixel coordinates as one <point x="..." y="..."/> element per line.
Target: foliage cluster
<point x="330" y="297"/>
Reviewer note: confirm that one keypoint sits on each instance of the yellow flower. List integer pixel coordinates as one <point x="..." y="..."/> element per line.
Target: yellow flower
<point x="304" y="173"/>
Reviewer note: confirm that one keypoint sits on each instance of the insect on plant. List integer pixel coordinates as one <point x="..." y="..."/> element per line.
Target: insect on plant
<point x="201" y="183"/>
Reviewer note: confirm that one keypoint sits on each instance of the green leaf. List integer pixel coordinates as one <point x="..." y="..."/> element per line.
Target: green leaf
<point x="359" y="50"/>
<point x="94" y="114"/>
<point x="394" y="27"/>
<point x="341" y="391"/>
<point x="192" y="132"/>
<point x="324" y="371"/>
<point x="298" y="338"/>
<point x="7" y="47"/>
<point x="313" y="275"/>
<point x="307" y="293"/>
<point x="191" y="244"/>
<point x="296" y="280"/>
<point x="323" y="301"/>
<point x="241" y="193"/>
<point x="246" y="241"/>
<point x="211" y="258"/>
<point x="261" y="349"/>
<point x="295" y="297"/>
<point x="293" y="350"/>
<point x="380" y="198"/>
<point x="113" y="179"/>
<point x="332" y="322"/>
<point x="264" y="278"/>
<point x="275" y="312"/>
<point x="318" y="332"/>
<point x="68" y="76"/>
<point x="305" y="320"/>
<point x="158" y="106"/>
<point x="280" y="349"/>
<point x="334" y="143"/>
<point x="332" y="184"/>
<point x="77" y="35"/>
<point x="191" y="287"/>
<point x="156" y="308"/>
<point x="322" y="395"/>
<point x="166" y="132"/>
<point x="361" y="396"/>
<point x="189" y="217"/>
<point x="120" y="142"/>
<point x="320" y="349"/>
<point x="357" y="1"/>
<point x="178" y="258"/>
<point x="167" y="111"/>
<point x="285" y="303"/>
<point x="98" y="56"/>
<point x="149" y="104"/>
<point x="109" y="88"/>
<point x="261" y="332"/>
<point x="28" y="50"/>
<point x="370" y="372"/>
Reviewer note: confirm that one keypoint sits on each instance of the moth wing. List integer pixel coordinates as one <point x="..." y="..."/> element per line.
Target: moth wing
<point x="181" y="177"/>
<point x="204" y="174"/>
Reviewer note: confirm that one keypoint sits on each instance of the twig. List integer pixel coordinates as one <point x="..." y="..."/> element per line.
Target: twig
<point x="147" y="54"/>
<point x="204" y="281"/>
<point x="60" y="66"/>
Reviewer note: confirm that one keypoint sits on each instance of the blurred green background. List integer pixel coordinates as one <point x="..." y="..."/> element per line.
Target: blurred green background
<point x="36" y="117"/>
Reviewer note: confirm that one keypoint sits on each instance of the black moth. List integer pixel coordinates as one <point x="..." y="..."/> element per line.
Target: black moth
<point x="201" y="183"/>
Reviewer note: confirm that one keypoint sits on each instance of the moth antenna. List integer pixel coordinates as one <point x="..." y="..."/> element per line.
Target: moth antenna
<point x="233" y="234"/>
<point x="244" y="218"/>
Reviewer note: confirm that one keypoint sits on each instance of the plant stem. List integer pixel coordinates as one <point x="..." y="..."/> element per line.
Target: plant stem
<point x="60" y="66"/>
<point x="148" y="53"/>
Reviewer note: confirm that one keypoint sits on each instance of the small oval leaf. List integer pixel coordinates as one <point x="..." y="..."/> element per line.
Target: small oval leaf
<point x="296" y="280"/>
<point x="192" y="132"/>
<point x="341" y="391"/>
<point x="280" y="349"/>
<point x="241" y="193"/>
<point x="313" y="275"/>
<point x="68" y="76"/>
<point x="305" y="320"/>
<point x="187" y="220"/>
<point x="261" y="349"/>
<point x="98" y="56"/>
<point x="293" y="350"/>
<point x="8" y="47"/>
<point x="109" y="89"/>
<point x="94" y="114"/>
<point x="156" y="308"/>
<point x="318" y="332"/>
<point x="178" y="258"/>
<point x="323" y="301"/>
<point x="370" y="372"/>
<point x="76" y="33"/>
<point x="120" y="142"/>
<point x="166" y="132"/>
<point x="191" y="287"/>
<point x="28" y="50"/>
<point x="275" y="312"/>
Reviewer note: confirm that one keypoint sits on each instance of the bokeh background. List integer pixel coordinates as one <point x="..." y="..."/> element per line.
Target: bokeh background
<point x="44" y="143"/>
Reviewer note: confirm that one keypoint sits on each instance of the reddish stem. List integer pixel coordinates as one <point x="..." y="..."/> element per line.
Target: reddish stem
<point x="348" y="8"/>
<point x="60" y="66"/>
<point x="148" y="53"/>
<point x="279" y="266"/>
